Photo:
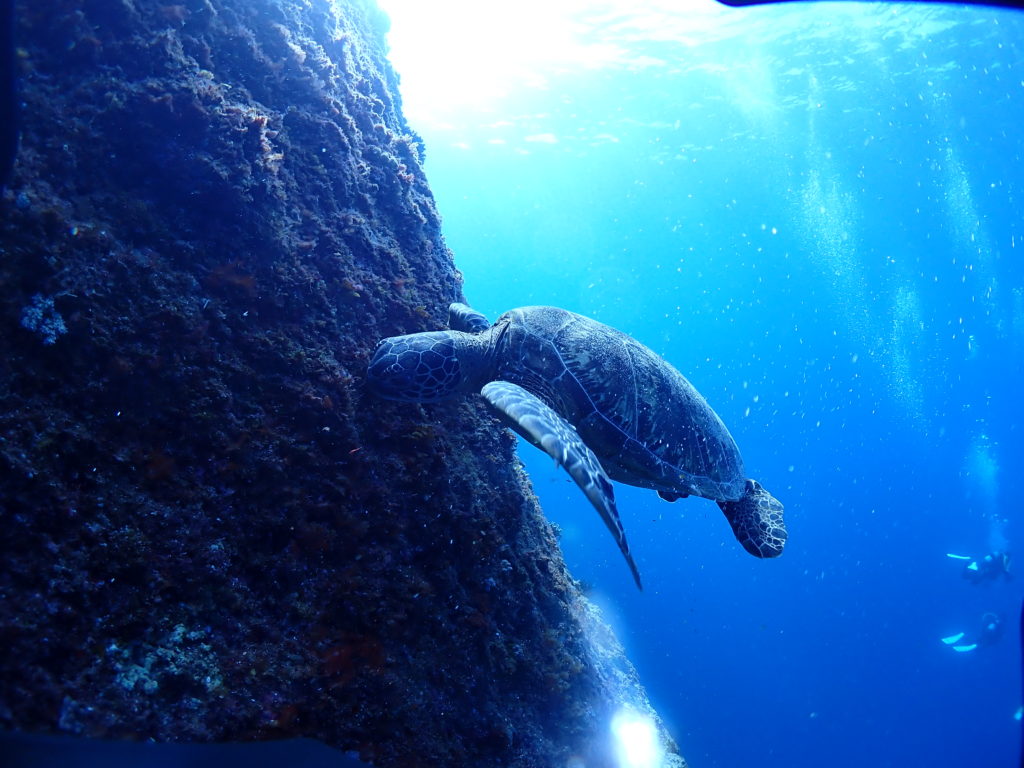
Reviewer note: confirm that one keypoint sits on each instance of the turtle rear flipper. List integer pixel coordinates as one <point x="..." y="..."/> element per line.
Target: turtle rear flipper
<point x="672" y="495"/>
<point x="756" y="519"/>
<point x="536" y="422"/>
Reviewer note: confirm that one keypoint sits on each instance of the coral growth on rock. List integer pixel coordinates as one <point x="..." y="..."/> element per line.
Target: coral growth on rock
<point x="211" y="532"/>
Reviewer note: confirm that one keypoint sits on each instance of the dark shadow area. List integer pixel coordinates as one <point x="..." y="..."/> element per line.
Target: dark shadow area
<point x="25" y="751"/>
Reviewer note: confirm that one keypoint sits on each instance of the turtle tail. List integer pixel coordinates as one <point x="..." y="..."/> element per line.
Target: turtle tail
<point x="756" y="519"/>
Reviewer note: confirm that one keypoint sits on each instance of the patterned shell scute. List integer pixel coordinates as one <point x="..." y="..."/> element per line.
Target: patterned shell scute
<point x="644" y="420"/>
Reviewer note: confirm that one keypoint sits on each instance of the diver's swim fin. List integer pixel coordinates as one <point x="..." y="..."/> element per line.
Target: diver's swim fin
<point x="954" y="639"/>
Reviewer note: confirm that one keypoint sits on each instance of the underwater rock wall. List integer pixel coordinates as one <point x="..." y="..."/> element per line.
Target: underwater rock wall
<point x="211" y="532"/>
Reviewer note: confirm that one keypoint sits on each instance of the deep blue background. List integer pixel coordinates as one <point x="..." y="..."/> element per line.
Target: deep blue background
<point x="816" y="216"/>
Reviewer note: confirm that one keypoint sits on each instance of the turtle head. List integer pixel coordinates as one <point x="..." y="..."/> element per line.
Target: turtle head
<point x="425" y="367"/>
<point x="756" y="519"/>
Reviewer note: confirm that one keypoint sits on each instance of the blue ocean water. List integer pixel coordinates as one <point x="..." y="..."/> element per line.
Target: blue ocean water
<point x="815" y="213"/>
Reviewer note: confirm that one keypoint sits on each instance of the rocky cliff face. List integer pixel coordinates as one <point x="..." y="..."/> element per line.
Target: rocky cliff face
<point x="211" y="532"/>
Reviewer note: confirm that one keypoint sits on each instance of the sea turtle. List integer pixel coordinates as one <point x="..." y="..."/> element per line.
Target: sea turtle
<point x="599" y="402"/>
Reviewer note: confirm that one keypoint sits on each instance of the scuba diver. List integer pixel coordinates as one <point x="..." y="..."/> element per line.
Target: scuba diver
<point x="988" y="568"/>
<point x="989" y="632"/>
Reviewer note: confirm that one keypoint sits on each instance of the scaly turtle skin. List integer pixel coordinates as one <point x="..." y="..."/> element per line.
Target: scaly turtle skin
<point x="599" y="402"/>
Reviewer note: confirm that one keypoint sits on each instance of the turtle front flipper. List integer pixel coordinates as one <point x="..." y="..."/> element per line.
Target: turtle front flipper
<point x="464" y="318"/>
<point x="756" y="519"/>
<point x="535" y="421"/>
